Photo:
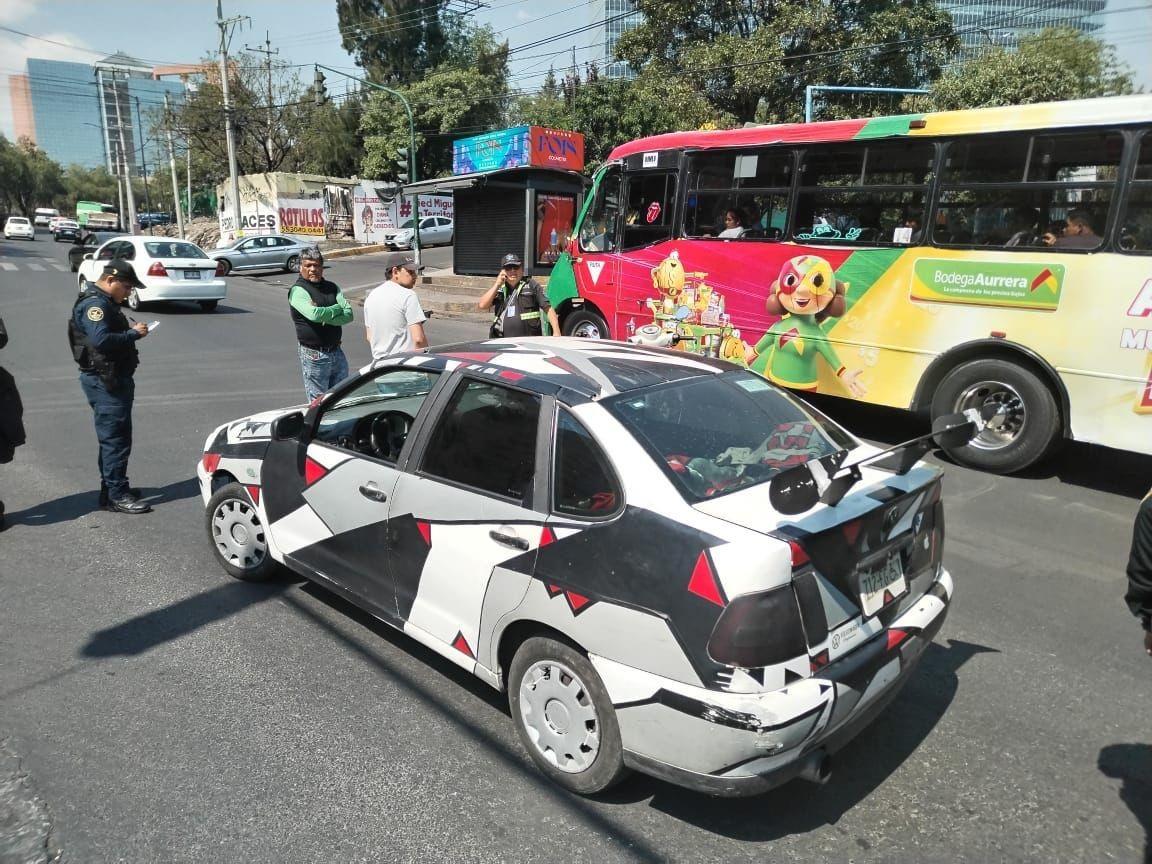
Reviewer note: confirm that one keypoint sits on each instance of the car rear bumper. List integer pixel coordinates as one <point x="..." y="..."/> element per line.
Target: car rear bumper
<point x="739" y="744"/>
<point x="207" y="289"/>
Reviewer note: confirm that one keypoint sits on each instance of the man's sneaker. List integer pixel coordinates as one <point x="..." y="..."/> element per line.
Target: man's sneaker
<point x="128" y="504"/>
<point x="132" y="493"/>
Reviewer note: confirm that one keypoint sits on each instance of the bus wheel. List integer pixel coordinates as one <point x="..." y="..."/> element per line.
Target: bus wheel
<point x="585" y="324"/>
<point x="1025" y="427"/>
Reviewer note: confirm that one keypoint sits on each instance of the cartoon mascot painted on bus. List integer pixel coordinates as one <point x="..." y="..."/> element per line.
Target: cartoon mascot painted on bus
<point x="805" y="293"/>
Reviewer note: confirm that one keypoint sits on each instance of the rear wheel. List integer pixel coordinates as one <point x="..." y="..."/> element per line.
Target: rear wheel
<point x="564" y="717"/>
<point x="83" y="285"/>
<point x="586" y="324"/>
<point x="292" y="265"/>
<point x="237" y="535"/>
<point x="225" y="266"/>
<point x="134" y="299"/>
<point x="1025" y="426"/>
<point x="208" y="305"/>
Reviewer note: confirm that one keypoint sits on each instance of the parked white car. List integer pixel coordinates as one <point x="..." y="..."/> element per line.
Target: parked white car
<point x="19" y="226"/>
<point x="169" y="269"/>
<point x="434" y="231"/>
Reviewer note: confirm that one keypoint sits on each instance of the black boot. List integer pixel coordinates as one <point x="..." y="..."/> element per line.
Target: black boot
<point x="128" y="504"/>
<point x="132" y="493"/>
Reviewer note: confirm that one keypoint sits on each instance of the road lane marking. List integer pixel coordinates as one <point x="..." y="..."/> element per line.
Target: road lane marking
<point x="32" y="265"/>
<point x="7" y="266"/>
<point x="59" y="267"/>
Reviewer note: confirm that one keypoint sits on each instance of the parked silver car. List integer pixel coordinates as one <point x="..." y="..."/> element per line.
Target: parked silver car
<point x="434" y="231"/>
<point x="267" y="252"/>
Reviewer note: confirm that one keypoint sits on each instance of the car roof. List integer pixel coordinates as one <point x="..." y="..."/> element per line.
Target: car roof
<point x="574" y="370"/>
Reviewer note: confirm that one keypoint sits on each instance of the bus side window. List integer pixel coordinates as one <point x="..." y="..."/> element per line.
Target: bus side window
<point x="650" y="205"/>
<point x="751" y="185"/>
<point x="1136" y="222"/>
<point x="599" y="229"/>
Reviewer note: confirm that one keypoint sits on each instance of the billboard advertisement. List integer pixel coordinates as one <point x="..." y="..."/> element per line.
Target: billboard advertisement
<point x="519" y="147"/>
<point x="556" y="148"/>
<point x="555" y="215"/>
<point x="375" y="213"/>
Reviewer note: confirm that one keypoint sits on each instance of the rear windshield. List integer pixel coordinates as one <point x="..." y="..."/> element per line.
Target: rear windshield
<point x="18" y="220"/>
<point x="720" y="433"/>
<point x="174" y="250"/>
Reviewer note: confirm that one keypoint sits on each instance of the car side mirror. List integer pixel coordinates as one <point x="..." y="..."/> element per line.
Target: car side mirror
<point x="950" y="431"/>
<point x="288" y="426"/>
<point x="793" y="491"/>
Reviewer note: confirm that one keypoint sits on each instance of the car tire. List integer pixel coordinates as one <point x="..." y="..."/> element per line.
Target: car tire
<point x="564" y="716"/>
<point x="1029" y="427"/>
<point x="586" y="324"/>
<point x="292" y="265"/>
<point x="225" y="266"/>
<point x="134" y="299"/>
<point x="237" y="535"/>
<point x="208" y="305"/>
<point x="82" y="285"/>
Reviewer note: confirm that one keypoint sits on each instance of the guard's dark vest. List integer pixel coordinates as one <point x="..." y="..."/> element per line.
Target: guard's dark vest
<point x="309" y="333"/>
<point x="121" y="363"/>
<point x="529" y="314"/>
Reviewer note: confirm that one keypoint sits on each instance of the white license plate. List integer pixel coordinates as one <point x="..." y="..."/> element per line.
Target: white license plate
<point x="191" y="274"/>
<point x="881" y="583"/>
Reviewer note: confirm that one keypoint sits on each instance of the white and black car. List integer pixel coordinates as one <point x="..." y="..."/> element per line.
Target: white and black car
<point x="170" y="270"/>
<point x="668" y="563"/>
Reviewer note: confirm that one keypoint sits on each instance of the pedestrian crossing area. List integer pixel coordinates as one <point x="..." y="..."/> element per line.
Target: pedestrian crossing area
<point x="42" y="265"/>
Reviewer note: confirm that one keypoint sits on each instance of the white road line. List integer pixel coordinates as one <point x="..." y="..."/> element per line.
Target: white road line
<point x="59" y="267"/>
<point x="32" y="265"/>
<point x="7" y="266"/>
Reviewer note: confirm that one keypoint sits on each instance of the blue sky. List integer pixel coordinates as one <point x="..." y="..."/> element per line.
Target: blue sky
<point x="305" y="31"/>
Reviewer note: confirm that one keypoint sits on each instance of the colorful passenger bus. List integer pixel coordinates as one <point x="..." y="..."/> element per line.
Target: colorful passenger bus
<point x="933" y="262"/>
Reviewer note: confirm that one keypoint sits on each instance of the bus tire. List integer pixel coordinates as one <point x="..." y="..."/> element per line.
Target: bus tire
<point x="1026" y="427"/>
<point x="586" y="324"/>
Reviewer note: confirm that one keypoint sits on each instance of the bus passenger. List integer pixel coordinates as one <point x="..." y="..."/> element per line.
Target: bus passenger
<point x="1079" y="233"/>
<point x="1023" y="227"/>
<point x="732" y="226"/>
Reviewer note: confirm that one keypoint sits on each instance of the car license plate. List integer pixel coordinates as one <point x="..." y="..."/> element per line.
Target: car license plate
<point x="191" y="274"/>
<point x="881" y="583"/>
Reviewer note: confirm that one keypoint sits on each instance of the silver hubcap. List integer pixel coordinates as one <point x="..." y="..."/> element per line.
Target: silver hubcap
<point x="1007" y="423"/>
<point x="238" y="534"/>
<point x="587" y="330"/>
<point x="134" y="300"/>
<point x="559" y="716"/>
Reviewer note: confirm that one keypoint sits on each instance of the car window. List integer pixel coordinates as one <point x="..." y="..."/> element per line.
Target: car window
<point x="486" y="439"/>
<point x="174" y="250"/>
<point x="374" y="417"/>
<point x="719" y="433"/>
<point x="583" y="484"/>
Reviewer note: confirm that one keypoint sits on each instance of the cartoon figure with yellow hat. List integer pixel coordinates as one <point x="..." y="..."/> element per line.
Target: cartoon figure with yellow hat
<point x="805" y="294"/>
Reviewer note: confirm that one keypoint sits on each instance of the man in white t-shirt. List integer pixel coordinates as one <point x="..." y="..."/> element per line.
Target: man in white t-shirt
<point x="392" y="315"/>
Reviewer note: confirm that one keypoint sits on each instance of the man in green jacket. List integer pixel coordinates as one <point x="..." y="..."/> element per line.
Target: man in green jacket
<point x="319" y="311"/>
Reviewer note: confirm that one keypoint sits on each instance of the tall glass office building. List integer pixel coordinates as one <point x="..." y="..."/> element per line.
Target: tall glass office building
<point x="1001" y="23"/>
<point x="616" y="17"/>
<point x="70" y="110"/>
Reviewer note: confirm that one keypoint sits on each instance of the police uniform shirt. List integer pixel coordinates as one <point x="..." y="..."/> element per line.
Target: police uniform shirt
<point x="106" y="331"/>
<point x="528" y="312"/>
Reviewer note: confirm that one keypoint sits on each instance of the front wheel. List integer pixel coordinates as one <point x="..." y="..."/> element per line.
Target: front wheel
<point x="134" y="299"/>
<point x="208" y="305"/>
<point x="83" y="285"/>
<point x="292" y="265"/>
<point x="1025" y="422"/>
<point x="225" y="266"/>
<point x="564" y="717"/>
<point x="585" y="324"/>
<point x="237" y="535"/>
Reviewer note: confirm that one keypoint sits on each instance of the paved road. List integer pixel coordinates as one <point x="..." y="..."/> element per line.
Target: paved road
<point x="151" y="709"/>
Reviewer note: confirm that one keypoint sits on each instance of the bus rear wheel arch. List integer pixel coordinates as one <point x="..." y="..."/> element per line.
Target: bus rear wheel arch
<point x="1026" y="425"/>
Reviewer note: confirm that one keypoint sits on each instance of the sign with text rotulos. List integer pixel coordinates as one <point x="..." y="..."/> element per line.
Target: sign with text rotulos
<point x="519" y="147"/>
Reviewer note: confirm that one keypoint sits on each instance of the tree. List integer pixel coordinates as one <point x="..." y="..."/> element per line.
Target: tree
<point x="328" y="140"/>
<point x="752" y="59"/>
<point x="399" y="41"/>
<point x="1052" y="65"/>
<point x="85" y="184"/>
<point x="28" y="178"/>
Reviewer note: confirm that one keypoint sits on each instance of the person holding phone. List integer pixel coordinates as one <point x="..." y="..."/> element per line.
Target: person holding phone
<point x="521" y="304"/>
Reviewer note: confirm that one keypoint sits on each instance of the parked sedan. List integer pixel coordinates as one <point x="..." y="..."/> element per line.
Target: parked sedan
<point x="87" y="245"/>
<point x="66" y="229"/>
<point x="669" y="563"/>
<point x="19" y="226"/>
<point x="434" y="231"/>
<point x="169" y="269"/>
<point x="269" y="252"/>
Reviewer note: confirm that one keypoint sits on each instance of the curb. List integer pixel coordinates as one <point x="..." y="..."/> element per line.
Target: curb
<point x="356" y="250"/>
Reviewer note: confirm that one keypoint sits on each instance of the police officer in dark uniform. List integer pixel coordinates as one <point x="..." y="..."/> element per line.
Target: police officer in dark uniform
<point x="104" y="346"/>
<point x="521" y="304"/>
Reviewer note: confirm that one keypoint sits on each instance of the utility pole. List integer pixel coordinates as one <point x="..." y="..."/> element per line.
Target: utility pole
<point x="128" y="191"/>
<point x="188" y="175"/>
<point x="172" y="169"/>
<point x="144" y="167"/>
<point x="267" y="51"/>
<point x="226" y="25"/>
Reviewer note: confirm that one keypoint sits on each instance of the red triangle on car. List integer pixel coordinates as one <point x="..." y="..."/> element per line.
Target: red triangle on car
<point x="313" y="470"/>
<point x="461" y="645"/>
<point x="703" y="582"/>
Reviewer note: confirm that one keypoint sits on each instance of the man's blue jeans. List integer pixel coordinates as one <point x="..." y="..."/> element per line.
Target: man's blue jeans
<point x="323" y="368"/>
<point x="112" y="410"/>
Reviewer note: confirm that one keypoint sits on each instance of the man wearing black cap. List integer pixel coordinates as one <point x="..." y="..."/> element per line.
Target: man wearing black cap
<point x="520" y="303"/>
<point x="104" y="346"/>
<point x="393" y="317"/>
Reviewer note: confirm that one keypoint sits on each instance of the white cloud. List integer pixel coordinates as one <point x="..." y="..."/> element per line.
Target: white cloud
<point x="523" y="16"/>
<point x="16" y="49"/>
<point x="12" y="11"/>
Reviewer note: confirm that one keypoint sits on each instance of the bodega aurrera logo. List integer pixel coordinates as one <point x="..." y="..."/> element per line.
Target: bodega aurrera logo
<point x="1019" y="284"/>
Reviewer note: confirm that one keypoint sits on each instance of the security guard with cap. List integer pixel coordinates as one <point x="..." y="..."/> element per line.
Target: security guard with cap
<point x="521" y="304"/>
<point x="104" y="346"/>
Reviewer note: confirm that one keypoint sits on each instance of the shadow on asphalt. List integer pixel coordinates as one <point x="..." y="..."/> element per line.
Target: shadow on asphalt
<point x="1132" y="765"/>
<point x="183" y="307"/>
<point x="144" y="632"/>
<point x="78" y="504"/>
<point x="800" y="807"/>
<point x="1101" y="469"/>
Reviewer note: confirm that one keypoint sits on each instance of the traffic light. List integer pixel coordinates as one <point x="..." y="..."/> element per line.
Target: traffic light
<point x="403" y="166"/>
<point x="319" y="93"/>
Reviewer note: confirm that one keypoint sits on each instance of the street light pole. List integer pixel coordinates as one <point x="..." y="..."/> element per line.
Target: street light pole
<point x="172" y="169"/>
<point x="411" y="151"/>
<point x="233" y="177"/>
<point x="127" y="172"/>
<point x="144" y="168"/>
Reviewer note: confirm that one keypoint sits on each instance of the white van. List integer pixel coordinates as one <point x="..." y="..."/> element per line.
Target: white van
<point x="42" y="215"/>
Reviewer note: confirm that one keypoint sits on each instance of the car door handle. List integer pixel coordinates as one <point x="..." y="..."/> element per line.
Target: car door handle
<point x="509" y="540"/>
<point x="369" y="490"/>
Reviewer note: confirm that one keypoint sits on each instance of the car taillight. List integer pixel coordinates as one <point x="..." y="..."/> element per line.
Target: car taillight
<point x="759" y="630"/>
<point x="157" y="269"/>
<point x="211" y="462"/>
<point x="219" y="268"/>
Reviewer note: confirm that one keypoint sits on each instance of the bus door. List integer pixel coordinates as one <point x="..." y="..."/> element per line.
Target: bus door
<point x="649" y="210"/>
<point x="595" y="263"/>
